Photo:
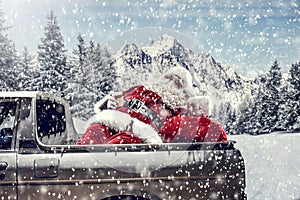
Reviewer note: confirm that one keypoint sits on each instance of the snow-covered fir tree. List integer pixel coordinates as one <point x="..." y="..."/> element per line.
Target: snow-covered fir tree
<point x="262" y="114"/>
<point x="102" y="70"/>
<point x="247" y="112"/>
<point x="52" y="59"/>
<point x="76" y="62"/>
<point x="289" y="112"/>
<point x="273" y="98"/>
<point x="231" y="120"/>
<point x="8" y="59"/>
<point x="94" y="76"/>
<point x="28" y="73"/>
<point x="82" y="96"/>
<point x="81" y="51"/>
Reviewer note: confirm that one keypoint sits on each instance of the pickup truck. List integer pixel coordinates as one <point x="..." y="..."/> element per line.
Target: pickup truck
<point x="39" y="159"/>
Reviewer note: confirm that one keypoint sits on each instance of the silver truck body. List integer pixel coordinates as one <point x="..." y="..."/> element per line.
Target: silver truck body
<point x="39" y="165"/>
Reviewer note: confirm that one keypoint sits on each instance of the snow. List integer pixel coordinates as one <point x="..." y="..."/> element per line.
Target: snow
<point x="272" y="165"/>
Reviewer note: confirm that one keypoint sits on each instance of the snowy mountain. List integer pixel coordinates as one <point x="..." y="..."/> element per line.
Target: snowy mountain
<point x="137" y="65"/>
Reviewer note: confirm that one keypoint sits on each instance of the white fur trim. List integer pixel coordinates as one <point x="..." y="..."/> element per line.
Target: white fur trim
<point x="121" y="121"/>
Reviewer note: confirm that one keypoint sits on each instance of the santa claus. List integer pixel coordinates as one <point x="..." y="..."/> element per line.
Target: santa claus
<point x="154" y="113"/>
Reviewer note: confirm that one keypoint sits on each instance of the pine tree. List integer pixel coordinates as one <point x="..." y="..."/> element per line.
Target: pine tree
<point x="76" y="62"/>
<point x="82" y="97"/>
<point x="103" y="73"/>
<point x="230" y="122"/>
<point x="94" y="77"/>
<point x="52" y="59"/>
<point x="247" y="113"/>
<point x="8" y="59"/>
<point x="267" y="102"/>
<point x="81" y="51"/>
<point x="26" y="69"/>
<point x="257" y="115"/>
<point x="289" y="118"/>
<point x="261" y="115"/>
<point x="295" y="82"/>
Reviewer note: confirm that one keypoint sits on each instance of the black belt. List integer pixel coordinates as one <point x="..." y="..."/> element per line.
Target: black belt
<point x="140" y="107"/>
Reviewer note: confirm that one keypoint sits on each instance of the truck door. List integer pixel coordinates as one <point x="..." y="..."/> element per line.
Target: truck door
<point x="39" y="172"/>
<point x="8" y="179"/>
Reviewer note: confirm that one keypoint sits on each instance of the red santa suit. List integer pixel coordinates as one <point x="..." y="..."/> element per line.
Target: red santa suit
<point x="192" y="129"/>
<point x="193" y="125"/>
<point x="154" y="114"/>
<point x="139" y="120"/>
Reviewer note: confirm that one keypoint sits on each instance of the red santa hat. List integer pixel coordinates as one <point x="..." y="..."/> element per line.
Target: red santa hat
<point x="174" y="86"/>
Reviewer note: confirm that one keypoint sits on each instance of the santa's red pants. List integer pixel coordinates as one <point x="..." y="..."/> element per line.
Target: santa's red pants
<point x="101" y="134"/>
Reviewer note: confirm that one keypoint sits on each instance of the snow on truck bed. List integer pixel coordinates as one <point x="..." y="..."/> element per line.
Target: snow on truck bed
<point x="272" y="165"/>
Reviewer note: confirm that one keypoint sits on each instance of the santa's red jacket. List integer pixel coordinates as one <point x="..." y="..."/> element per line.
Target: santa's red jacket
<point x="145" y="118"/>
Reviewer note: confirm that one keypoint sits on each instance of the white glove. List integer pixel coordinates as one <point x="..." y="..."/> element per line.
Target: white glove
<point x="108" y="102"/>
<point x="111" y="103"/>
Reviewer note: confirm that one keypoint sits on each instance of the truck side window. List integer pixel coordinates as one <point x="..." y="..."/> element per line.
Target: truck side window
<point x="7" y="121"/>
<point x="51" y="121"/>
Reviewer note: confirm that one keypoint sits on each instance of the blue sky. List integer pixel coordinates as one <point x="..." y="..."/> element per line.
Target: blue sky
<point x="245" y="35"/>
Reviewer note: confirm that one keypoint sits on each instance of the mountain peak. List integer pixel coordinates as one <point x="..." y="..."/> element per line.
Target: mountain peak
<point x="164" y="44"/>
<point x="129" y="48"/>
<point x="165" y="41"/>
<point x="168" y="38"/>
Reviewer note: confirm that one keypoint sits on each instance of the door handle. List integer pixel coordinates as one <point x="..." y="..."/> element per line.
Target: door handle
<point x="3" y="166"/>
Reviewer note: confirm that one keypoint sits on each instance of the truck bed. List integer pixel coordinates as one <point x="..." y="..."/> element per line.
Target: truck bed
<point x="168" y="171"/>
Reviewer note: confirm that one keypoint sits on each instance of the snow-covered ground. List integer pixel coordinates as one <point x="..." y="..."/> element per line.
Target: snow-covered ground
<point x="272" y="165"/>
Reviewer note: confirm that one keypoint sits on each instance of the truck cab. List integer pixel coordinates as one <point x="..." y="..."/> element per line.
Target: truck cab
<point x="25" y="116"/>
<point x="39" y="159"/>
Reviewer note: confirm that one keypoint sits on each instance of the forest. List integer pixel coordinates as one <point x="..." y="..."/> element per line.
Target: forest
<point x="84" y="75"/>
